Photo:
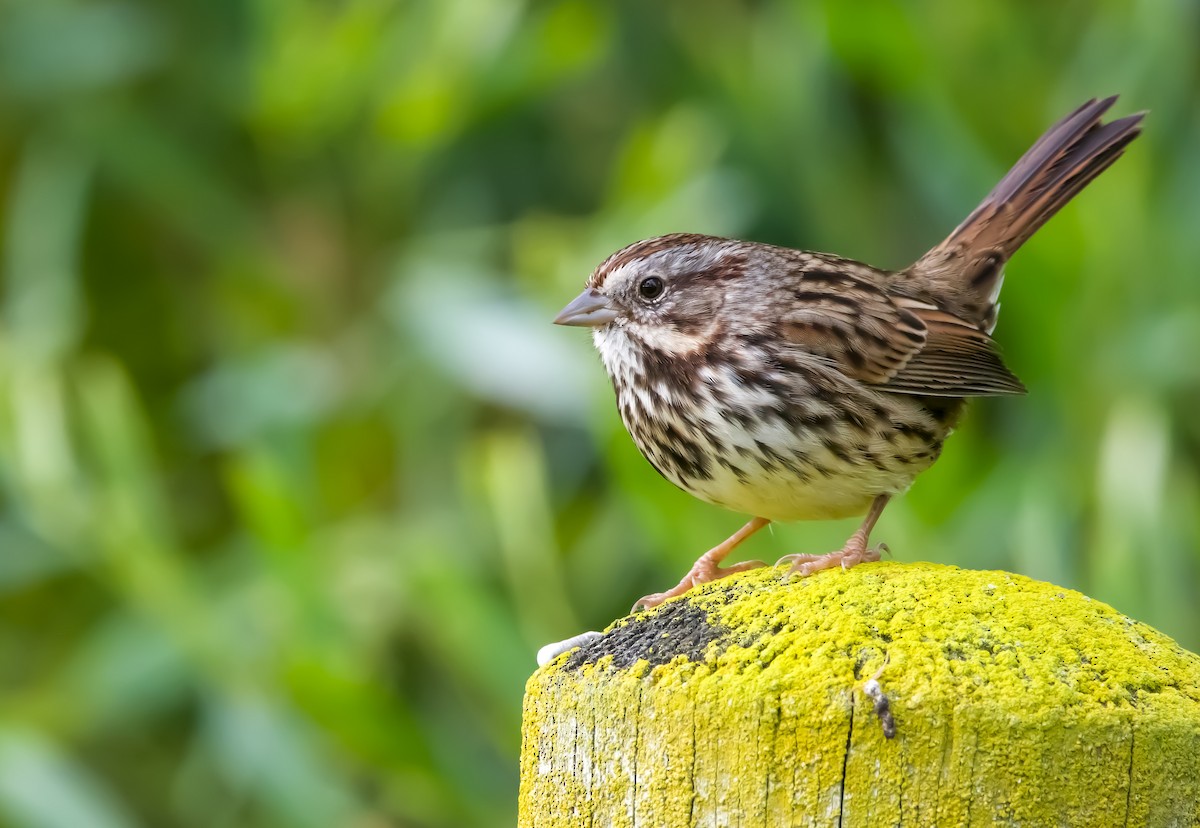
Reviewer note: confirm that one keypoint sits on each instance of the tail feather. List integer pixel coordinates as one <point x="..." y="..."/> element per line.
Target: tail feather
<point x="968" y="265"/>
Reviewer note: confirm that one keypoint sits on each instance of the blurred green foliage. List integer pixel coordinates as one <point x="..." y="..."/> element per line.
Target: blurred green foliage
<point x="296" y="475"/>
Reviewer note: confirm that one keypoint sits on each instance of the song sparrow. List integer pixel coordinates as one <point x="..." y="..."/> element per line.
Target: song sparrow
<point x="802" y="386"/>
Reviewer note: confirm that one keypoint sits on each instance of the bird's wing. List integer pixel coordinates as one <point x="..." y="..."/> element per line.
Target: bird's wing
<point x="845" y="318"/>
<point x="957" y="360"/>
<point x="902" y="345"/>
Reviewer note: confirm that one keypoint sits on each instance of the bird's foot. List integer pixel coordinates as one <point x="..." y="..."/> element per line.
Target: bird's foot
<point x="853" y="553"/>
<point x="701" y="573"/>
<point x="707" y="567"/>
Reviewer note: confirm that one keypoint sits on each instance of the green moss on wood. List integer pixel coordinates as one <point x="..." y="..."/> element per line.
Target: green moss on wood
<point x="1015" y="701"/>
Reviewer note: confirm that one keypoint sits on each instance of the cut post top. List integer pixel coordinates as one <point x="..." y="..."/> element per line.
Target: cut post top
<point x="756" y="698"/>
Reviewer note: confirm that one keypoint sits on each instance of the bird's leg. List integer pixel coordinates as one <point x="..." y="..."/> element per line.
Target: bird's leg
<point x="707" y="566"/>
<point x="854" y="552"/>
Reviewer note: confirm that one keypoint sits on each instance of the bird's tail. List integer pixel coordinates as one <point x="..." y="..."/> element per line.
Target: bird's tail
<point x="969" y="264"/>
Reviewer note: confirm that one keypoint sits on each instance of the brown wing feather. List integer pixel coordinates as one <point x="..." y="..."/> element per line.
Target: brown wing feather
<point x="899" y="344"/>
<point x="852" y="322"/>
<point x="958" y="360"/>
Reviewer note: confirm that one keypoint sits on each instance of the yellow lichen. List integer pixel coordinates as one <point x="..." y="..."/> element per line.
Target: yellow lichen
<point x="1015" y="702"/>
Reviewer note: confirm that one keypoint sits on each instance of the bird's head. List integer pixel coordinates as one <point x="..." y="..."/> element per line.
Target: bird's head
<point x="664" y="293"/>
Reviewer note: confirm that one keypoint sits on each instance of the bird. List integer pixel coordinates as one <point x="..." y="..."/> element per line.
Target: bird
<point x="794" y="385"/>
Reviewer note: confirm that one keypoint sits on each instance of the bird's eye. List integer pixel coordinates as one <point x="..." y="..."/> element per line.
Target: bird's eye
<point x="651" y="287"/>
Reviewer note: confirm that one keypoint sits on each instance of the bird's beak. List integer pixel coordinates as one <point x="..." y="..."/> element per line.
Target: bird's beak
<point x="589" y="309"/>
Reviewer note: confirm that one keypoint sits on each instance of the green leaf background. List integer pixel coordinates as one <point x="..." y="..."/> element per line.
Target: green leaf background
<point x="296" y="476"/>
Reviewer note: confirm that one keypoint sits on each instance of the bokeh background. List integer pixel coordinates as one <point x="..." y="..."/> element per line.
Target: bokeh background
<point x="296" y="476"/>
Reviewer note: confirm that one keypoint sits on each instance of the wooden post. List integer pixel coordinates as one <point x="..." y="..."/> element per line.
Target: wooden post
<point x="754" y="702"/>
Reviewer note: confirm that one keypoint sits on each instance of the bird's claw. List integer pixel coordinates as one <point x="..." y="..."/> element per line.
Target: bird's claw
<point x="851" y="555"/>
<point x="698" y="575"/>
